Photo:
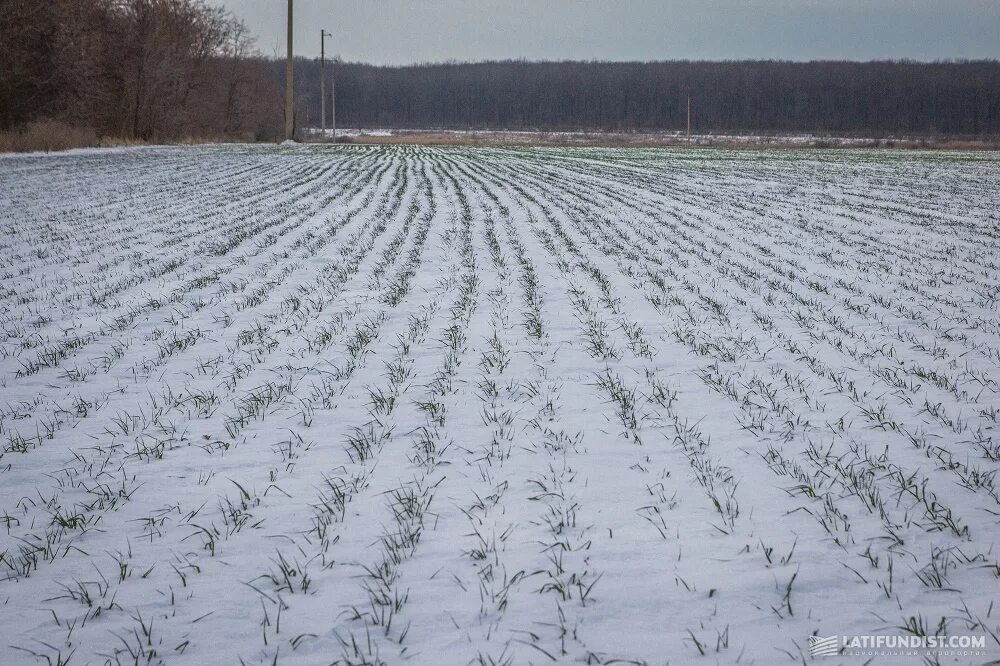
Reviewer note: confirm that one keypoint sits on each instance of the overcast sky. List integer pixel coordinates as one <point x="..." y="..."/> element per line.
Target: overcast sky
<point x="406" y="31"/>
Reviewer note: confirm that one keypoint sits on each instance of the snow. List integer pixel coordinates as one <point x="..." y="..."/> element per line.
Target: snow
<point x="644" y="137"/>
<point x="474" y="405"/>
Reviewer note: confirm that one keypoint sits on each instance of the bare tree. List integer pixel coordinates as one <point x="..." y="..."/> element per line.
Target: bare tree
<point x="236" y="56"/>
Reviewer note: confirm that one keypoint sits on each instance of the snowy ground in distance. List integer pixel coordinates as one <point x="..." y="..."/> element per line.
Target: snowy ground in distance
<point x="357" y="404"/>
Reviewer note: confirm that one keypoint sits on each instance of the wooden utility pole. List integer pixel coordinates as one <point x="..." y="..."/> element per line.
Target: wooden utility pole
<point x="322" y="80"/>
<point x="333" y="97"/>
<point x="689" y="118"/>
<point x="290" y="83"/>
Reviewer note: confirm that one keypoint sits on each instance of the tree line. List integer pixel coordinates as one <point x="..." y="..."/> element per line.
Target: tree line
<point x="148" y="70"/>
<point x="161" y="70"/>
<point x="870" y="99"/>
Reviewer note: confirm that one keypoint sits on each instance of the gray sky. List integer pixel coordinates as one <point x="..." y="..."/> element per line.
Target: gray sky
<point x="406" y="31"/>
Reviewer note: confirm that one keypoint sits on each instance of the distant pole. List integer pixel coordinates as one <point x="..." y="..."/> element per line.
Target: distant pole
<point x="689" y="118"/>
<point x="322" y="81"/>
<point x="290" y="83"/>
<point x="333" y="97"/>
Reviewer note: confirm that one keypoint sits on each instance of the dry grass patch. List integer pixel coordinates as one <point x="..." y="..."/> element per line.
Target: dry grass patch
<point x="46" y="136"/>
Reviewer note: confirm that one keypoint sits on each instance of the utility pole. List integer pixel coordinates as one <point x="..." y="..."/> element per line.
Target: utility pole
<point x="333" y="97"/>
<point x="323" y="34"/>
<point x="689" y="118"/>
<point x="290" y="83"/>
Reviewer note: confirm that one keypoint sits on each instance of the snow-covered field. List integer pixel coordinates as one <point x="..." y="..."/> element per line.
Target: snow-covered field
<point x="450" y="405"/>
<point x="633" y="139"/>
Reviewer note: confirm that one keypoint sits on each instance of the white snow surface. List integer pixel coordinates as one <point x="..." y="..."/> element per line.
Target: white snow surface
<point x="470" y="405"/>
